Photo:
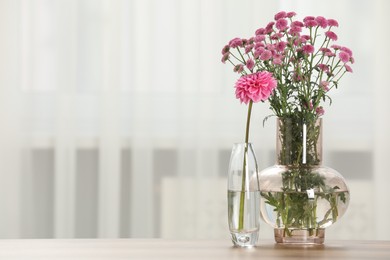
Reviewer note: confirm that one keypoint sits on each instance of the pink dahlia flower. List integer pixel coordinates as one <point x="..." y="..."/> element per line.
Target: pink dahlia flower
<point x="256" y="87"/>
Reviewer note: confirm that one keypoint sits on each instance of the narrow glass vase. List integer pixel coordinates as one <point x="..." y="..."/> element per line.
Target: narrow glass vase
<point x="243" y="196"/>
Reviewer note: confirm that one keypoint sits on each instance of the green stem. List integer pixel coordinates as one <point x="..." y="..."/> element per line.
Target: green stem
<point x="242" y="195"/>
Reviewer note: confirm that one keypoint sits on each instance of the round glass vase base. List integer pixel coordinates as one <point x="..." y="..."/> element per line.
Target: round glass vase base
<point x="242" y="239"/>
<point x="300" y="236"/>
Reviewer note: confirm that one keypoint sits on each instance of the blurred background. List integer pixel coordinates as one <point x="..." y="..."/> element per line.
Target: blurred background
<point x="117" y="117"/>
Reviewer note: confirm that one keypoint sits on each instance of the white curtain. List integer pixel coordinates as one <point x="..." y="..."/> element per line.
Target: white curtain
<point x="117" y="116"/>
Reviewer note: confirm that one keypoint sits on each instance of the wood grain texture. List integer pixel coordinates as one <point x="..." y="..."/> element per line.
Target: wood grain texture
<point x="190" y="249"/>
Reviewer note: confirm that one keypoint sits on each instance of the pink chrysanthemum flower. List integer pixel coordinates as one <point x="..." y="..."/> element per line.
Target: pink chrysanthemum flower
<point x="280" y="46"/>
<point x="308" y="18"/>
<point x="347" y="50"/>
<point x="276" y="36"/>
<point x="308" y="49"/>
<point x="323" y="67"/>
<point x="280" y="15"/>
<point x="236" y="42"/>
<point x="238" y="68"/>
<point x="331" y="35"/>
<point x="344" y="56"/>
<point x="336" y="47"/>
<point x="269" y="28"/>
<point x="330" y="54"/>
<point x="260" y="31"/>
<point x="295" y="30"/>
<point x="259" y="38"/>
<point x="297" y="24"/>
<point x="291" y="14"/>
<point x="256" y="87"/>
<point x="348" y="68"/>
<point x="332" y="22"/>
<point x="225" y="49"/>
<point x="322" y="21"/>
<point x="270" y="47"/>
<point x="281" y="24"/>
<point x="250" y="64"/>
<point x="248" y="48"/>
<point x="259" y="45"/>
<point x="258" y="52"/>
<point x="266" y="55"/>
<point x="277" y="61"/>
<point x="225" y="57"/>
<point x="311" y="23"/>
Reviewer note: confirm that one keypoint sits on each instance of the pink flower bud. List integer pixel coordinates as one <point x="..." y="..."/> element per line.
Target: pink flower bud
<point x="320" y="111"/>
<point x="250" y="64"/>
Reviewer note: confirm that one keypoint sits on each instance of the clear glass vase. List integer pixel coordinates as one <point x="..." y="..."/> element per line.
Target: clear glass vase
<point x="299" y="196"/>
<point x="243" y="196"/>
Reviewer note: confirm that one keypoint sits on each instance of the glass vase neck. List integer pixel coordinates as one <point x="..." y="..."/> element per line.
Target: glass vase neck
<point x="299" y="142"/>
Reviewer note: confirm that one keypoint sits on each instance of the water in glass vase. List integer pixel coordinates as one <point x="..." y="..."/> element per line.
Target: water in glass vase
<point x="303" y="210"/>
<point x="244" y="218"/>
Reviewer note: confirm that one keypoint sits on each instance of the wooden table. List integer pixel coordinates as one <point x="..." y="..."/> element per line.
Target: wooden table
<point x="113" y="249"/>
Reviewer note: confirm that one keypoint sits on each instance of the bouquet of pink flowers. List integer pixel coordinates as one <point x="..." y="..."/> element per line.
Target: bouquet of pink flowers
<point x="300" y="55"/>
<point x="293" y="64"/>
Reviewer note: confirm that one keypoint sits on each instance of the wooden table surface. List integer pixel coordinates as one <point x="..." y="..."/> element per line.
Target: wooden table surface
<point x="113" y="249"/>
